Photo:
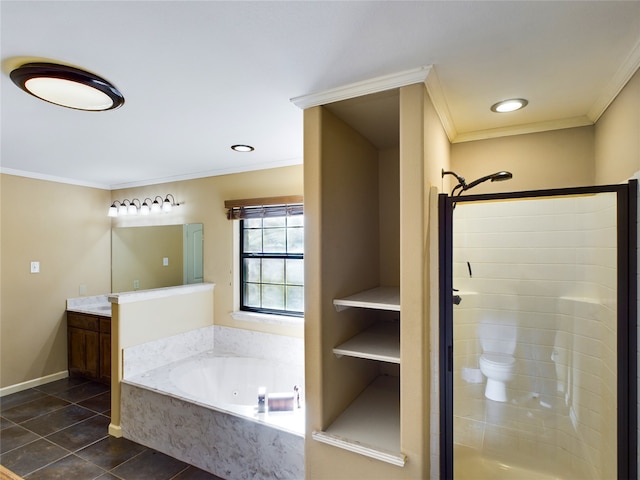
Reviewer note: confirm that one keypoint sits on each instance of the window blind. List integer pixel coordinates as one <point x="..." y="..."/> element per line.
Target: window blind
<point x="264" y="207"/>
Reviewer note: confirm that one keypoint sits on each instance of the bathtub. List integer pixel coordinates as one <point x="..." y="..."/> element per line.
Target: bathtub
<point x="203" y="410"/>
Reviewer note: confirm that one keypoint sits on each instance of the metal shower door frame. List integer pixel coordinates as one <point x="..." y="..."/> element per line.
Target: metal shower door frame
<point x="627" y="351"/>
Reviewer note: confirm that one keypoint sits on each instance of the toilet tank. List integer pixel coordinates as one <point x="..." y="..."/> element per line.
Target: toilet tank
<point x="498" y="336"/>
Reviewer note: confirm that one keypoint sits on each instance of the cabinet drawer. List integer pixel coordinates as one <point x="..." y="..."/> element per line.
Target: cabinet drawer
<point x="79" y="320"/>
<point x="105" y="325"/>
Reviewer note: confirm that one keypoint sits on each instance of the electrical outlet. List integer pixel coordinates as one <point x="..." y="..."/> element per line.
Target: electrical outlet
<point x="136" y="284"/>
<point x="35" y="267"/>
<point x="165" y="262"/>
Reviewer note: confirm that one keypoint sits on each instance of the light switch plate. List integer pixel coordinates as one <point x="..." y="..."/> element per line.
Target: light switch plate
<point x="165" y="262"/>
<point x="35" y="267"/>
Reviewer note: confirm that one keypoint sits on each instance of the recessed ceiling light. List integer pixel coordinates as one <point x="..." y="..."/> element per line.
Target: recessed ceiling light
<point x="510" y="105"/>
<point x="242" y="148"/>
<point x="67" y="86"/>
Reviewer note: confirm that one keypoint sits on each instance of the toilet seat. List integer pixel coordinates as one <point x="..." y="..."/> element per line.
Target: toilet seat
<point x="498" y="359"/>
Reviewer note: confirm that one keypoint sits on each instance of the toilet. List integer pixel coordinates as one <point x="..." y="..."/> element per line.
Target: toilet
<point x="498" y="341"/>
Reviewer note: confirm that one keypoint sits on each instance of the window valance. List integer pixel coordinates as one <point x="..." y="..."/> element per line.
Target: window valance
<point x="264" y="207"/>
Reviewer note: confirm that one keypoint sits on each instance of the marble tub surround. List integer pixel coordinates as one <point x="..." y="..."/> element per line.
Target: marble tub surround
<point x="94" y="305"/>
<point x="150" y="365"/>
<point x="151" y="355"/>
<point x="248" y="343"/>
<point x="228" y="439"/>
<point x="228" y="446"/>
<point x="160" y="380"/>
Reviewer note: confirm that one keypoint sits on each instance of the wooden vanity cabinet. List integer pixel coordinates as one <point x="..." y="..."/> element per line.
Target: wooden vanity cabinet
<point x="89" y="346"/>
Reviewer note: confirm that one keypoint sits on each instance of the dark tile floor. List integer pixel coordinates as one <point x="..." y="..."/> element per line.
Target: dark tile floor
<point x="59" y="431"/>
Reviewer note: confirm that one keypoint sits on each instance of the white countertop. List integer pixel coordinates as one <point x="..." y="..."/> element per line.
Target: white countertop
<point x="95" y="305"/>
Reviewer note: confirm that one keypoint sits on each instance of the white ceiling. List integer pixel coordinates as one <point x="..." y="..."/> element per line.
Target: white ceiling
<point x="199" y="76"/>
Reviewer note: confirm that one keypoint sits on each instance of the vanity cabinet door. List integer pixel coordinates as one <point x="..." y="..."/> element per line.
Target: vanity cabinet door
<point x="105" y="358"/>
<point x="83" y="352"/>
<point x="89" y="346"/>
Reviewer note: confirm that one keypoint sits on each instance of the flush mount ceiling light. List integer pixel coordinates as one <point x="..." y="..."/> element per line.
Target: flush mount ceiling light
<point x="67" y="86"/>
<point x="510" y="105"/>
<point x="242" y="148"/>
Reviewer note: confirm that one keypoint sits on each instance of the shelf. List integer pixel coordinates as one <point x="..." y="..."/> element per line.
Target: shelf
<point x="379" y="342"/>
<point x="381" y="298"/>
<point x="370" y="426"/>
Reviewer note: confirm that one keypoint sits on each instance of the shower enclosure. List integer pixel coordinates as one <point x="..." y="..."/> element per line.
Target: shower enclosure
<point x="538" y="298"/>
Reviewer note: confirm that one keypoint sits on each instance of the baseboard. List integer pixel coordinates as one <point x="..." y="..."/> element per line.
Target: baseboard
<point x="115" y="430"/>
<point x="18" y="387"/>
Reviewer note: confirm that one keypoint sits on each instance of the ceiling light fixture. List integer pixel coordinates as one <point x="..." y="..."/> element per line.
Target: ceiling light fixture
<point x="129" y="207"/>
<point x="510" y="105"/>
<point x="67" y="86"/>
<point x="242" y="148"/>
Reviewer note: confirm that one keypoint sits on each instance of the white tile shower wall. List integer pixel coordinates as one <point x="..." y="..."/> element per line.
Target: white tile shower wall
<point x="150" y="355"/>
<point x="523" y="256"/>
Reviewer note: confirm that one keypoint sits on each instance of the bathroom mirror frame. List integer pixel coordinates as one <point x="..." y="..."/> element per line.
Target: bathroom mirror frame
<point x="627" y="396"/>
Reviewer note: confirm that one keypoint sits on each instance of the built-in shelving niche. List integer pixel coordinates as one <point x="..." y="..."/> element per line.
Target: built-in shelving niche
<point x="370" y="425"/>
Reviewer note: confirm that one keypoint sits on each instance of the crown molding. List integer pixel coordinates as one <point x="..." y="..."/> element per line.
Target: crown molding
<point x="153" y="181"/>
<point x="53" y="178"/>
<point x="436" y="94"/>
<point x="581" y="121"/>
<point x="209" y="173"/>
<point x="365" y="87"/>
<point x="628" y="68"/>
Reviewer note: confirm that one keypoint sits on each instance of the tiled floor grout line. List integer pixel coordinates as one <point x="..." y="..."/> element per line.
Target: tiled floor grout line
<point x="180" y="472"/>
<point x="61" y="458"/>
<point x="127" y="461"/>
<point x="93" y="463"/>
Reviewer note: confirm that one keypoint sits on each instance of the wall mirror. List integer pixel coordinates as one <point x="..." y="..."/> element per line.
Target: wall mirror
<point x="156" y="256"/>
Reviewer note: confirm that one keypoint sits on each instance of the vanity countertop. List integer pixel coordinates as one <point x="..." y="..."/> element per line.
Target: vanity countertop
<point x="96" y="305"/>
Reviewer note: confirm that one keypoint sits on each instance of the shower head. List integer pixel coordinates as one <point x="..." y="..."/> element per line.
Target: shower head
<point x="494" y="177"/>
<point x="463" y="186"/>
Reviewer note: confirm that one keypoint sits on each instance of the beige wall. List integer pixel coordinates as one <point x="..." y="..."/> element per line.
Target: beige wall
<point x="66" y="229"/>
<point x="617" y="137"/>
<point x="202" y="201"/>
<point x="555" y="159"/>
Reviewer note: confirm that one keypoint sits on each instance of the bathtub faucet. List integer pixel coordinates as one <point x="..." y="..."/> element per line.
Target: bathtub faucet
<point x="262" y="400"/>
<point x="296" y="390"/>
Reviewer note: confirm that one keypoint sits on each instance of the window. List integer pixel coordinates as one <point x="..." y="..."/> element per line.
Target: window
<point x="272" y="263"/>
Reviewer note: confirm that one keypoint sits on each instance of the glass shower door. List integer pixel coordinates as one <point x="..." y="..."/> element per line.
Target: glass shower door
<point x="534" y="344"/>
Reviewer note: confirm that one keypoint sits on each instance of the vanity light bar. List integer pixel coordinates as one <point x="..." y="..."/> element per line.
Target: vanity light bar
<point x="129" y="207"/>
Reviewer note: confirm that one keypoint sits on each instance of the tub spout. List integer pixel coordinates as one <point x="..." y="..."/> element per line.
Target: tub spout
<point x="262" y="400"/>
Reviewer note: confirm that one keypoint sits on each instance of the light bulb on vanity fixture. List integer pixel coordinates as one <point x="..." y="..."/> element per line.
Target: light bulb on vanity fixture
<point x="123" y="208"/>
<point x="132" y="209"/>
<point x="113" y="209"/>
<point x="156" y="206"/>
<point x="167" y="205"/>
<point x="146" y="207"/>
